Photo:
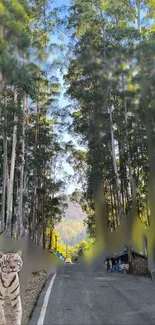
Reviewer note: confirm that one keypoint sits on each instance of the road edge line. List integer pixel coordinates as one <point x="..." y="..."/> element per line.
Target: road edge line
<point x="45" y="302"/>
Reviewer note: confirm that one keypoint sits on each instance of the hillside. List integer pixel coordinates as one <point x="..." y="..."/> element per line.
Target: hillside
<point x="71" y="228"/>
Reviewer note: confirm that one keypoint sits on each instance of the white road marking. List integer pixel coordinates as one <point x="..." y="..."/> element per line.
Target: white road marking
<point x="45" y="303"/>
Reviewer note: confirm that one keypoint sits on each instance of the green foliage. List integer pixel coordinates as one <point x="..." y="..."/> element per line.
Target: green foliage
<point x="111" y="69"/>
<point x="28" y="103"/>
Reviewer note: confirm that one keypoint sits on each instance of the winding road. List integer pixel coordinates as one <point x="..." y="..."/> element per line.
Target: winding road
<point x="82" y="295"/>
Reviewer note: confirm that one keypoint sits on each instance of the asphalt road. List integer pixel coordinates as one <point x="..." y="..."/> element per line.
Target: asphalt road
<point x="84" y="296"/>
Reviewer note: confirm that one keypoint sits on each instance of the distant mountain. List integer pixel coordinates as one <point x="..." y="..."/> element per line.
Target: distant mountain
<point x="71" y="228"/>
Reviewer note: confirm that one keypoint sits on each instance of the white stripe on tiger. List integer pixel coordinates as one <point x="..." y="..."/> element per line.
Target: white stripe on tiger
<point x="45" y="303"/>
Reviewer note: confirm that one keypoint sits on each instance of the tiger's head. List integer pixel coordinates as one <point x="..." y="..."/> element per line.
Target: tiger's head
<point x="11" y="262"/>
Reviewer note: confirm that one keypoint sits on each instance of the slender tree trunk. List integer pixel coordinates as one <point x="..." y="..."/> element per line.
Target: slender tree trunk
<point x="112" y="207"/>
<point x="21" y="191"/>
<point x="147" y="211"/>
<point x="50" y="239"/>
<point x="2" y="224"/>
<point x="25" y="177"/>
<point x="151" y="159"/>
<point x="115" y="166"/>
<point x="3" y="208"/>
<point x="138" y="3"/>
<point x="43" y="224"/>
<point x="11" y="179"/>
<point x="35" y="179"/>
<point x="121" y="176"/>
<point x="25" y="195"/>
<point x="132" y="181"/>
<point x="1" y="36"/>
<point x="56" y="242"/>
<point x="116" y="207"/>
<point x="4" y="133"/>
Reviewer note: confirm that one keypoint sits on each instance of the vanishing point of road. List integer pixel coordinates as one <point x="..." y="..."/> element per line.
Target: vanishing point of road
<point x="84" y="295"/>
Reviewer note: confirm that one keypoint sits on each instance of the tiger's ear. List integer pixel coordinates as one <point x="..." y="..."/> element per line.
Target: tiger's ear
<point x="19" y="253"/>
<point x="1" y="254"/>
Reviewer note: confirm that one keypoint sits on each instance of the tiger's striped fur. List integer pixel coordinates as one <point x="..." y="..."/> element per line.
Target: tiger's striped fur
<point x="10" y="265"/>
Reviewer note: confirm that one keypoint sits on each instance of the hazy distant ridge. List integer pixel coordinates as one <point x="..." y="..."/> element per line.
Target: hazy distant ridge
<point x="71" y="228"/>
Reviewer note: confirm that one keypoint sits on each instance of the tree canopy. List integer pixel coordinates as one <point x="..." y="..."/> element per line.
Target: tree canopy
<point x="108" y="70"/>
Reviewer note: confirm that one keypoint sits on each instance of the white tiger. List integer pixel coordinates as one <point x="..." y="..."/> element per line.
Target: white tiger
<point x="10" y="265"/>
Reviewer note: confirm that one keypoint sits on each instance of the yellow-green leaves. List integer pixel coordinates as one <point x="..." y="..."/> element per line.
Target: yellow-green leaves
<point x="18" y="7"/>
<point x="2" y="9"/>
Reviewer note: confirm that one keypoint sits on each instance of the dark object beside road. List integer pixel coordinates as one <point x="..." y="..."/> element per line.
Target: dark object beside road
<point x="137" y="266"/>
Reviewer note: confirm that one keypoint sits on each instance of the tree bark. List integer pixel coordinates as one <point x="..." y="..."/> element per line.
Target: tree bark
<point x="25" y="177"/>
<point x="1" y="36"/>
<point x="4" y="134"/>
<point x="21" y="191"/>
<point x="35" y="179"/>
<point x="115" y="166"/>
<point x="3" y="209"/>
<point x="43" y="223"/>
<point x="50" y="240"/>
<point x="11" y="178"/>
<point x="138" y="3"/>
<point x="132" y="181"/>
